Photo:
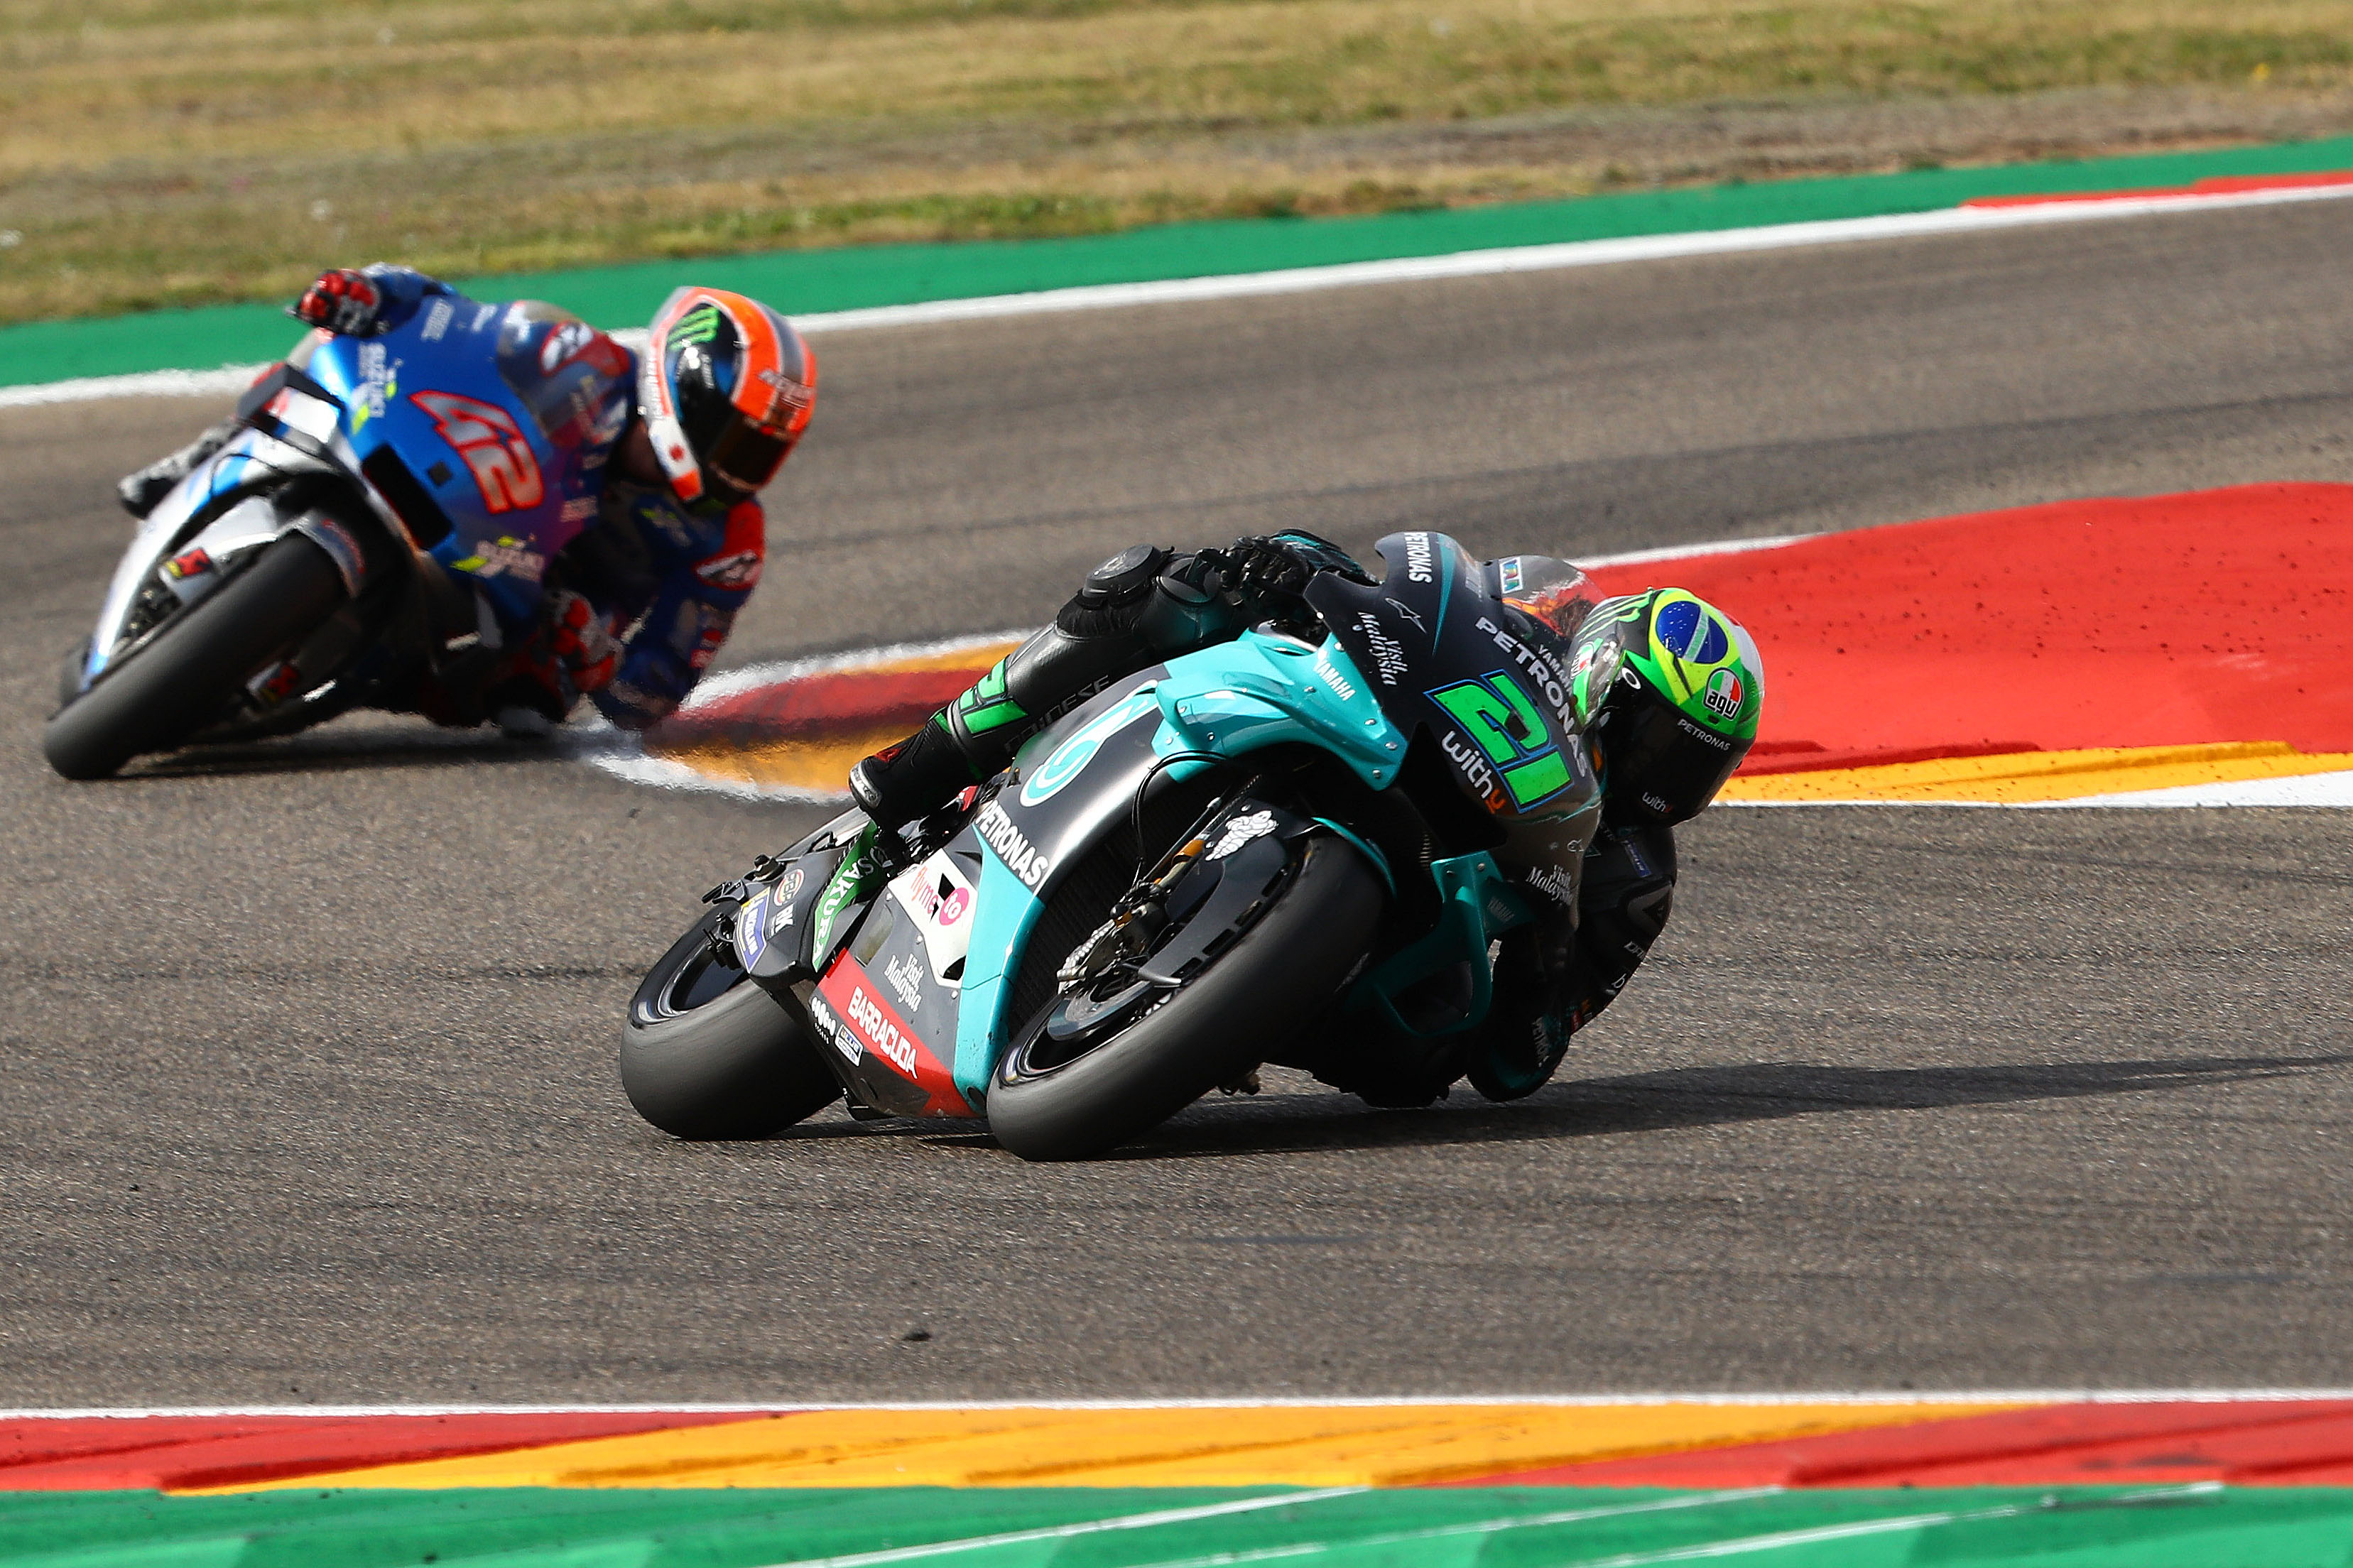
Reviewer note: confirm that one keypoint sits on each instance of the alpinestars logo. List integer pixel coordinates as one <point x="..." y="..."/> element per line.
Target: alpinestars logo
<point x="738" y="570"/>
<point x="996" y="831"/>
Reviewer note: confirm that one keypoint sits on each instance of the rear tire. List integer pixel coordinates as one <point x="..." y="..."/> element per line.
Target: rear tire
<point x="707" y="1058"/>
<point x="1239" y="1012"/>
<point x="182" y="680"/>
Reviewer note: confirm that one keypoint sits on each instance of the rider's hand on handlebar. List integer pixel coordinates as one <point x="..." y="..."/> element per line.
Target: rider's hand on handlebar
<point x="1261" y="567"/>
<point x="342" y="300"/>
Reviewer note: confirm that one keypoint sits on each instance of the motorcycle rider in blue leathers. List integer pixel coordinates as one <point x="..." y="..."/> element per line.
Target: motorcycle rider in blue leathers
<point x="684" y="437"/>
<point x="1148" y="604"/>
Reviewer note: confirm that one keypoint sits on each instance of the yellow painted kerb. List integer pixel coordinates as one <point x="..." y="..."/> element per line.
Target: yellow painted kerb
<point x="2022" y="777"/>
<point x="1250" y="1446"/>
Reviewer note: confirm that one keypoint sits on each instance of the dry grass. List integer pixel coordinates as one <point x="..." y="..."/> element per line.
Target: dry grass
<point x="155" y="154"/>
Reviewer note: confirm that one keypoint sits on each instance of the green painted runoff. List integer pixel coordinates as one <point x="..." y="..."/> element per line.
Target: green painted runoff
<point x="1502" y="1527"/>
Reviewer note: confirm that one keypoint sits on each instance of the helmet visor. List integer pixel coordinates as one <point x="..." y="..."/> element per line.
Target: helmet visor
<point x="1658" y="766"/>
<point x="744" y="457"/>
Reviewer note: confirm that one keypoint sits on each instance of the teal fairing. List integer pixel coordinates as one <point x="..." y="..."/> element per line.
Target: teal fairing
<point x="1422" y="734"/>
<point x="1430" y="656"/>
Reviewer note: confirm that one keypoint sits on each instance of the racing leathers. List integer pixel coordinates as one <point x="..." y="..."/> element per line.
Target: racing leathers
<point x="1148" y="604"/>
<point x="632" y="609"/>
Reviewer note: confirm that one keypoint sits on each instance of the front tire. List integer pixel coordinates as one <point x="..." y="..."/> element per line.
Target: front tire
<point x="706" y="1054"/>
<point x="196" y="664"/>
<point x="1237" y="1013"/>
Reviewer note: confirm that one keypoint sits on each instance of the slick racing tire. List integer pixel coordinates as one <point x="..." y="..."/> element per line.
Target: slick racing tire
<point x="161" y="693"/>
<point x="1238" y="1012"/>
<point x="706" y="1054"/>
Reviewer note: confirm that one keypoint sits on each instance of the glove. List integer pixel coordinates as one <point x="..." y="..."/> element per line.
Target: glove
<point x="580" y="637"/>
<point x="343" y="300"/>
<point x="1259" y="567"/>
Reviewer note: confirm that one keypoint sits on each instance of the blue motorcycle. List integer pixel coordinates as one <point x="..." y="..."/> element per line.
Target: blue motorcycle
<point x="386" y="514"/>
<point x="1276" y="849"/>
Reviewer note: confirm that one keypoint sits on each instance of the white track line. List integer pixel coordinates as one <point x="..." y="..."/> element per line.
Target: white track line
<point x="1353" y="1402"/>
<point x="1353" y="1544"/>
<point x="1302" y="280"/>
<point x="1066" y="1531"/>
<point x="1782" y="1538"/>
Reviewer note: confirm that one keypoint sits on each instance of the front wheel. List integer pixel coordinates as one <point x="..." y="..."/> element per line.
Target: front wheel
<point x="197" y="664"/>
<point x="1252" y="998"/>
<point x="707" y="1054"/>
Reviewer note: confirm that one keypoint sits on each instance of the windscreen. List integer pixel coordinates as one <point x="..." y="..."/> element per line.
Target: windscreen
<point x="1548" y="590"/>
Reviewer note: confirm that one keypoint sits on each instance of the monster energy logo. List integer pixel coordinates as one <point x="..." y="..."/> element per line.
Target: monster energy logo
<point x="698" y="326"/>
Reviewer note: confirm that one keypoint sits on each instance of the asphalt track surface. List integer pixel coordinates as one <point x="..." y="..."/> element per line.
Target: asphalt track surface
<point x="306" y="1069"/>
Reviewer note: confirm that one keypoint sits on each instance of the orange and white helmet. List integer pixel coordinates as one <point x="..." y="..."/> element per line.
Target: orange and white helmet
<point x="725" y="387"/>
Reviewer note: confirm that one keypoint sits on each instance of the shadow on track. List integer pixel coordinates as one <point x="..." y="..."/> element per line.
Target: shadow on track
<point x="373" y="748"/>
<point x="1299" y="1123"/>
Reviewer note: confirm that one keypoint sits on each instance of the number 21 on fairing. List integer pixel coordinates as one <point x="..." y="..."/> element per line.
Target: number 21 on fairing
<point x="1502" y="721"/>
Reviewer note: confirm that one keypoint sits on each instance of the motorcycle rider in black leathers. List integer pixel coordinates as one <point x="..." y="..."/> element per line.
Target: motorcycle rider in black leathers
<point x="1148" y="604"/>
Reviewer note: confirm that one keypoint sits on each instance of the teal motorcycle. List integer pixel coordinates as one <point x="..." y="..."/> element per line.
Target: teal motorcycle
<point x="1302" y="847"/>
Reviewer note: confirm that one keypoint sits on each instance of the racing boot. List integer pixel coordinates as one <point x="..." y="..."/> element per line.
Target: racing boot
<point x="1105" y="631"/>
<point x="143" y="491"/>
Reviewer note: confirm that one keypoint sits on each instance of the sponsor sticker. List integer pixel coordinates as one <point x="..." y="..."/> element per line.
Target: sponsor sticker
<point x="828" y="1026"/>
<point x="503" y="556"/>
<point x="438" y="320"/>
<point x="1508" y="568"/>
<point x="996" y="830"/>
<point x="564" y="341"/>
<point x="879" y="1031"/>
<point x="1421" y="559"/>
<point x="1389" y="654"/>
<point x="1240" y="831"/>
<point x="906" y="977"/>
<point x="839" y="894"/>
<point x="1724" y="690"/>
<point x="186" y="565"/>
<point x="1342" y="687"/>
<point x="938" y="896"/>
<point x="752" y="930"/>
<point x="735" y="569"/>
<point x="1553" y="883"/>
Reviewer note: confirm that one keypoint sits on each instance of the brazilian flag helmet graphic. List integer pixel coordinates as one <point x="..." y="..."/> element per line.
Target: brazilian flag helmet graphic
<point x="1667" y="689"/>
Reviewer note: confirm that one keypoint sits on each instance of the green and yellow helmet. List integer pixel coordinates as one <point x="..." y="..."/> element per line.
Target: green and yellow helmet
<point x="1667" y="688"/>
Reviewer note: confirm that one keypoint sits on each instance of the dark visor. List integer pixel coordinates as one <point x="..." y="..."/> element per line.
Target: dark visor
<point x="1659" y="766"/>
<point x="744" y="455"/>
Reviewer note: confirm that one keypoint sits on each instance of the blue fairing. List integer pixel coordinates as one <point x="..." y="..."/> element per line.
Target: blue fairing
<point x="515" y="475"/>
